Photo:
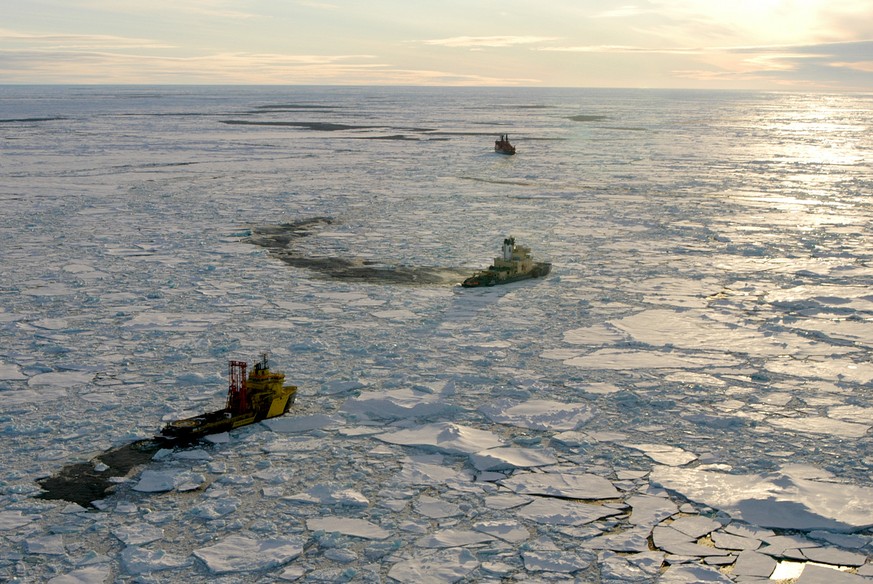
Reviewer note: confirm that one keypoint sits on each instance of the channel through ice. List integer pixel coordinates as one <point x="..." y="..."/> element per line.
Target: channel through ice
<point x="687" y="397"/>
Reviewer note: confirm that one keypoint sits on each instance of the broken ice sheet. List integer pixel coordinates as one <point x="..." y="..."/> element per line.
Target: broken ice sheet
<point x="415" y="472"/>
<point x="242" y="554"/>
<point x="449" y="565"/>
<point x="330" y="495"/>
<point x="137" y="560"/>
<point x="777" y="500"/>
<point x="821" y="425"/>
<point x="398" y="404"/>
<point x="664" y="454"/>
<point x="294" y="424"/>
<point x="511" y="458"/>
<point x="348" y="526"/>
<point x="550" y="511"/>
<point x="444" y="437"/>
<point x="13" y="519"/>
<point x="538" y="414"/>
<point x="583" y="486"/>
<point x="448" y="538"/>
<point x="622" y="359"/>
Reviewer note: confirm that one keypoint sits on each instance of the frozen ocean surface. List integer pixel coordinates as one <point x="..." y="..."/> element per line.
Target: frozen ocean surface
<point x="687" y="397"/>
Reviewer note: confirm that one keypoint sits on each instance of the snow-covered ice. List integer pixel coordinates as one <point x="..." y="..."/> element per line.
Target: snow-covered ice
<point x="695" y="371"/>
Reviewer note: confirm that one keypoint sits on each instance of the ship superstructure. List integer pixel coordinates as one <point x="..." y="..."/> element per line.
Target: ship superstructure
<point x="260" y="395"/>
<point x="515" y="263"/>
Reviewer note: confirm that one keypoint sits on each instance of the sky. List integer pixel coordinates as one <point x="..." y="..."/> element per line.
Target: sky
<point x="816" y="45"/>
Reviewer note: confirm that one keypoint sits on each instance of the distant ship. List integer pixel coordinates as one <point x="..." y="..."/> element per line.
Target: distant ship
<point x="260" y="396"/>
<point x="502" y="145"/>
<point x="515" y="264"/>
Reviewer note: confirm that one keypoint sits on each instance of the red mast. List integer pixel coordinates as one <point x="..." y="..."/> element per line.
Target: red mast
<point x="237" y="396"/>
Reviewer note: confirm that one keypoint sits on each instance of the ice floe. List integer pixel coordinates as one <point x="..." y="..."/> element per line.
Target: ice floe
<point x="776" y="500"/>
<point x="242" y="554"/>
<point x="446" y="437"/>
<point x="538" y="414"/>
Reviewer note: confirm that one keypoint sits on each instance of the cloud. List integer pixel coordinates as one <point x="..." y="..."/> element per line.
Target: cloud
<point x="78" y="41"/>
<point x="488" y="41"/>
<point x="42" y="66"/>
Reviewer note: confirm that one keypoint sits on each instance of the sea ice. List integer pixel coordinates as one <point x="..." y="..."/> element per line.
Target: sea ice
<point x="440" y="567"/>
<point x="776" y="500"/>
<point x="624" y="359"/>
<point x="538" y="414"/>
<point x="138" y="560"/>
<point x="11" y="372"/>
<point x="348" y="526"/>
<point x="444" y="437"/>
<point x="559" y="561"/>
<point x="13" y="519"/>
<point x="414" y="472"/>
<point x="242" y="554"/>
<point x="397" y="403"/>
<point x="436" y="508"/>
<point x="664" y="454"/>
<point x="583" y="486"/>
<point x="508" y="530"/>
<point x="448" y="538"/>
<point x="138" y="534"/>
<point x="550" y="511"/>
<point x="821" y="425"/>
<point x="87" y="575"/>
<point x="294" y="424"/>
<point x="507" y="458"/>
<point x="331" y="495"/>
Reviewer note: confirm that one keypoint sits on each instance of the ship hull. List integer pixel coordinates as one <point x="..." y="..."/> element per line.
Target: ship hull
<point x="193" y="428"/>
<point x="489" y="278"/>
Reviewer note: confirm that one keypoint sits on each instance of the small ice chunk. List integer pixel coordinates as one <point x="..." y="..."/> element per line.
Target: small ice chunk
<point x="507" y="530"/>
<point x="444" y="437"/>
<point x="550" y="511"/>
<point x="88" y="575"/>
<point x="564" y="562"/>
<point x="447" y="538"/>
<point x="65" y="379"/>
<point x="348" y="526"/>
<point x="821" y="425"/>
<point x="664" y="454"/>
<point x="436" y="508"/>
<point x="331" y="495"/>
<point x="242" y="554"/>
<point x="152" y="481"/>
<point x="398" y="403"/>
<point x="442" y="566"/>
<point x="835" y="557"/>
<point x="692" y="574"/>
<point x="650" y="510"/>
<point x="137" y="560"/>
<point x="14" y="519"/>
<point x="814" y="574"/>
<point x="293" y="424"/>
<point x="695" y="526"/>
<point x="138" y="534"/>
<point x="677" y="543"/>
<point x="751" y="563"/>
<point x="340" y="387"/>
<point x="511" y="458"/>
<point x="11" y="372"/>
<point x="566" y="485"/>
<point x="538" y="414"/>
<point x="635" y="539"/>
<point x="422" y="473"/>
<point x="50" y="545"/>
